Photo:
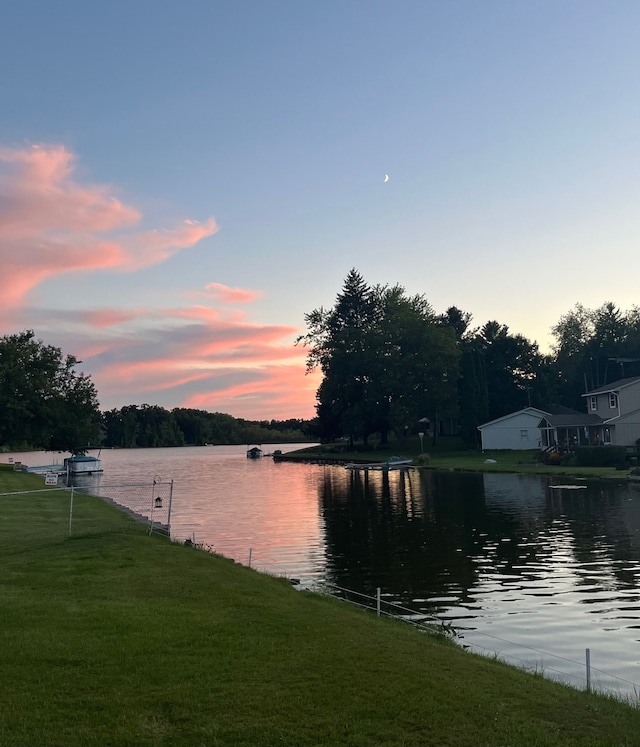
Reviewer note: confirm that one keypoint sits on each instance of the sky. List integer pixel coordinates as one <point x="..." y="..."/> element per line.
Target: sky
<point x="181" y="182"/>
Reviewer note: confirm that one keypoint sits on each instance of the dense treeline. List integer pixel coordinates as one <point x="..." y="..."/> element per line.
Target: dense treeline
<point x="391" y="364"/>
<point x="151" y="426"/>
<point x="46" y="404"/>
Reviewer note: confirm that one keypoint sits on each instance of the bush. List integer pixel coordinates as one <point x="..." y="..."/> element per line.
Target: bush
<point x="600" y="456"/>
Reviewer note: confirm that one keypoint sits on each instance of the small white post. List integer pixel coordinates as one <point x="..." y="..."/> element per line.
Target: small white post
<point x="169" y="513"/>
<point x="250" y="554"/>
<point x="588" y="662"/>
<point x="378" y="595"/>
<point x="70" y="510"/>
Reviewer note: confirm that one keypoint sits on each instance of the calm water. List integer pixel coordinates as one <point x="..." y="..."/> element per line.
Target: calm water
<point x="515" y="566"/>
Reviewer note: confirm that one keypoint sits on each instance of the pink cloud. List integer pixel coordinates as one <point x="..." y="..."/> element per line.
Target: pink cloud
<point x="156" y="246"/>
<point x="193" y="357"/>
<point x="225" y="294"/>
<point x="282" y="392"/>
<point x="111" y="317"/>
<point x="50" y="224"/>
<point x="207" y="355"/>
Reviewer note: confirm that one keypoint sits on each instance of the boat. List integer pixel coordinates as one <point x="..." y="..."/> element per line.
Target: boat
<point x="255" y="452"/>
<point x="77" y="464"/>
<point x="81" y="464"/>
<point x="398" y="461"/>
<point x="394" y="462"/>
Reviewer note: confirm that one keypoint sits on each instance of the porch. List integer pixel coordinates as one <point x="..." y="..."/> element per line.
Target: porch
<point x="566" y="432"/>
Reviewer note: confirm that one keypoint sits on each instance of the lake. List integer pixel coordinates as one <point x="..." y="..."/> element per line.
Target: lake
<point x="516" y="566"/>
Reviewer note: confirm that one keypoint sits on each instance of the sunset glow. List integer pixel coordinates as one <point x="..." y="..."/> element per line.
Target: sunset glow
<point x="171" y="207"/>
<point x="52" y="225"/>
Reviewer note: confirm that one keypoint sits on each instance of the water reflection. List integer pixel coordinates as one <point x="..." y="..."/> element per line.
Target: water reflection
<point x="509" y="561"/>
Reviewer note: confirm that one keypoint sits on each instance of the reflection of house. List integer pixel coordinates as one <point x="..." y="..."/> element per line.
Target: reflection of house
<point x="517" y="430"/>
<point x="613" y="417"/>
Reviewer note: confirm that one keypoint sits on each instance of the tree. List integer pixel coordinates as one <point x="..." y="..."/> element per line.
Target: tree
<point x="385" y="357"/>
<point x="339" y="342"/>
<point x="473" y="392"/>
<point x="44" y="402"/>
<point x="513" y="369"/>
<point x="458" y="320"/>
<point x="594" y="347"/>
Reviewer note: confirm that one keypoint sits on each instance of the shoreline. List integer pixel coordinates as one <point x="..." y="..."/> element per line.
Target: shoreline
<point x="503" y="462"/>
<point x="118" y="637"/>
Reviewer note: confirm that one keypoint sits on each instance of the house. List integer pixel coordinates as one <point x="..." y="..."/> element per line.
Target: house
<point x="517" y="430"/>
<point x="612" y="418"/>
<point x="572" y="428"/>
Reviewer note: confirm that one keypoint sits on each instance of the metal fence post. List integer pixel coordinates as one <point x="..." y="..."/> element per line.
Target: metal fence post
<point x="250" y="554"/>
<point x="169" y="514"/>
<point x="588" y="662"/>
<point x="378" y="596"/>
<point x="70" y="510"/>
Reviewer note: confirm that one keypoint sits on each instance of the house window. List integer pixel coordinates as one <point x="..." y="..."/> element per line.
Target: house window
<point x="593" y="403"/>
<point x="524" y="434"/>
<point x="613" y="399"/>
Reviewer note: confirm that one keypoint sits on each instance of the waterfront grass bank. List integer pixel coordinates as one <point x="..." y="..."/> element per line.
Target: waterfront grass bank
<point x="449" y="454"/>
<point x="116" y="637"/>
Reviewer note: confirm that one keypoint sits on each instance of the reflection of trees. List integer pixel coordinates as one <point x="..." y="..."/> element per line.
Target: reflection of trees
<point x="426" y="534"/>
<point x="406" y="532"/>
<point x="604" y="521"/>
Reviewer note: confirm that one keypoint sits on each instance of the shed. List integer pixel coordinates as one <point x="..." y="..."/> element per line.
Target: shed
<point x="517" y="430"/>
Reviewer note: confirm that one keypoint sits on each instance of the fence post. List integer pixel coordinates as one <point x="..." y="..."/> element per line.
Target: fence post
<point x="588" y="663"/>
<point x="378" y="595"/>
<point x="250" y="554"/>
<point x="70" y="510"/>
<point x="170" y="501"/>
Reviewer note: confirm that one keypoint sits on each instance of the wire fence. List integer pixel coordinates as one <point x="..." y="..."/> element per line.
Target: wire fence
<point x="63" y="506"/>
<point x="580" y="674"/>
<point x="149" y="503"/>
<point x="61" y="510"/>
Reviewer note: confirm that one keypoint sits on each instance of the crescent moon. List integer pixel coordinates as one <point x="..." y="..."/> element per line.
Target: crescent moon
<point x="386" y="177"/>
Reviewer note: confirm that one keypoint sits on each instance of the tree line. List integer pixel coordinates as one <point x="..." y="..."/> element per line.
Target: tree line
<point x="46" y="403"/>
<point x="150" y="426"/>
<point x="391" y="364"/>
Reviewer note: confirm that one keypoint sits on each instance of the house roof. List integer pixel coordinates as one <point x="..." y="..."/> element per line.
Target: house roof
<point x="570" y="419"/>
<point x="529" y="410"/>
<point x="614" y="386"/>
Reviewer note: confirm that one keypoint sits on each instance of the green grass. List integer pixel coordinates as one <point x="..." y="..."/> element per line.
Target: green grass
<point x="449" y="454"/>
<point x="113" y="637"/>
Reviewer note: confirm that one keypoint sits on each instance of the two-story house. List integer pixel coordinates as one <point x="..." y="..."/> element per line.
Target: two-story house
<point x="612" y="417"/>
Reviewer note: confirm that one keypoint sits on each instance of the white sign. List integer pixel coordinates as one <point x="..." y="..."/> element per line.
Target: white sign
<point x="51" y="478"/>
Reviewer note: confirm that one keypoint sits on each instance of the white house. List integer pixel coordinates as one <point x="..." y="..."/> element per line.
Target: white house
<point x="517" y="430"/>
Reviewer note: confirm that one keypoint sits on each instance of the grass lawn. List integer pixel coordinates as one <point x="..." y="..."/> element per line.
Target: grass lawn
<point x="449" y="454"/>
<point x="113" y="637"/>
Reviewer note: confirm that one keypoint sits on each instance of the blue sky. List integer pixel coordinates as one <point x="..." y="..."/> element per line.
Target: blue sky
<point x="509" y="131"/>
